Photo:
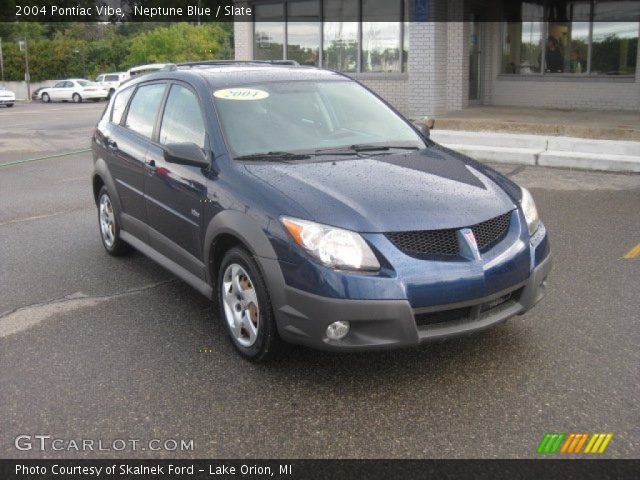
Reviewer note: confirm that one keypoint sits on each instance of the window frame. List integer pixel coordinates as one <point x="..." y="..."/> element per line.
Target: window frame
<point x="321" y="60"/>
<point x="564" y="76"/>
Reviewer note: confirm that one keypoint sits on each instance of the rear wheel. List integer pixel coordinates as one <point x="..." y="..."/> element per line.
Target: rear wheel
<point x="111" y="92"/>
<point x="109" y="227"/>
<point x="77" y="98"/>
<point x="9" y="105"/>
<point x="245" y="307"/>
<point x="46" y="98"/>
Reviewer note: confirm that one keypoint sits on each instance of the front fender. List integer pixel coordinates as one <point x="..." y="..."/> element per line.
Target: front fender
<point x="249" y="232"/>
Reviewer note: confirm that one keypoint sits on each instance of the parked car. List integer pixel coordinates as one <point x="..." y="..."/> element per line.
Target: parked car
<point x="7" y="97"/>
<point x="142" y="69"/>
<point x="111" y="81"/>
<point x="74" y="90"/>
<point x="36" y="95"/>
<point x="326" y="219"/>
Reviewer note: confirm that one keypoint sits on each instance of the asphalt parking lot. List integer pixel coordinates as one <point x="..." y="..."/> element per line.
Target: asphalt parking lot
<point x="93" y="347"/>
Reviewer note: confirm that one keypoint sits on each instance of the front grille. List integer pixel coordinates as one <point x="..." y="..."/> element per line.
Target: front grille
<point x="444" y="316"/>
<point x="426" y="242"/>
<point x="422" y="243"/>
<point x="492" y="231"/>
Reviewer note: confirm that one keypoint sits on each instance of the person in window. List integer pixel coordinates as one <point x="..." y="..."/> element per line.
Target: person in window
<point x="553" y="56"/>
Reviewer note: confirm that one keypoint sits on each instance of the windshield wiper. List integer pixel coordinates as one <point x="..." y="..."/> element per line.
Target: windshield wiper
<point x="362" y="147"/>
<point x="274" y="156"/>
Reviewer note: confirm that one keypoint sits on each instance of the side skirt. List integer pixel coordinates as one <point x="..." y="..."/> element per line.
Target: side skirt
<point x="170" y="265"/>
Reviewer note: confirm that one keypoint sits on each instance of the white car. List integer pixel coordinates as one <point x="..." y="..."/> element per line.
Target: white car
<point x="74" y="90"/>
<point x="111" y="81"/>
<point x="7" y="97"/>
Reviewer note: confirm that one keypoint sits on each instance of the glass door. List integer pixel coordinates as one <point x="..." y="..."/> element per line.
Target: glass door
<point x="475" y="60"/>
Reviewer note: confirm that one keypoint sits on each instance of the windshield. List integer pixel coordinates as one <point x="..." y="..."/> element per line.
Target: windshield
<point x="304" y="116"/>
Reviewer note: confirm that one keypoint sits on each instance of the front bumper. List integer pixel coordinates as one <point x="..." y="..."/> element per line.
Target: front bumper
<point x="383" y="324"/>
<point x="7" y="101"/>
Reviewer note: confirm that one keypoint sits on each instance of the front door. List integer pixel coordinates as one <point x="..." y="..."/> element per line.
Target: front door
<point x="175" y="194"/>
<point x="476" y="58"/>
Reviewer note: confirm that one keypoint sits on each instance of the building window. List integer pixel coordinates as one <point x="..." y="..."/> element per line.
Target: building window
<point x="358" y="38"/>
<point x="268" y="37"/>
<point x="303" y="32"/>
<point x="381" y="40"/>
<point x="582" y="37"/>
<point x="341" y="37"/>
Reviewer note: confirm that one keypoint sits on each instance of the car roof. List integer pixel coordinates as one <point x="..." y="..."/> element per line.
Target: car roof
<point x="229" y="74"/>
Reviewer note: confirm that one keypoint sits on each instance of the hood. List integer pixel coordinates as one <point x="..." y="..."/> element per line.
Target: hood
<point x="425" y="190"/>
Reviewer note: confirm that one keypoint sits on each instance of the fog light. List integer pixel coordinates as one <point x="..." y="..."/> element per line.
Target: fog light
<point x="338" y="330"/>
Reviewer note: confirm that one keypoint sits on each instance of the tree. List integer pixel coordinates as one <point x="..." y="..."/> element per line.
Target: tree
<point x="179" y="42"/>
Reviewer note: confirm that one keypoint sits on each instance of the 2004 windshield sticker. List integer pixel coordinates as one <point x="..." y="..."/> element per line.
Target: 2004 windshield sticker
<point x="241" y="94"/>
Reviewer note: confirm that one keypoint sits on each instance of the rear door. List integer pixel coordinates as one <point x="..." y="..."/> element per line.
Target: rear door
<point x="128" y="143"/>
<point x="175" y="194"/>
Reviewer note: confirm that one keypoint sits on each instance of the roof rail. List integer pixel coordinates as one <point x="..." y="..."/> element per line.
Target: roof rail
<point x="292" y="63"/>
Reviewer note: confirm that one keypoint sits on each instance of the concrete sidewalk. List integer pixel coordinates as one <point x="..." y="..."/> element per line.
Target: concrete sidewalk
<point x="592" y="124"/>
<point x="581" y="139"/>
<point x="547" y="150"/>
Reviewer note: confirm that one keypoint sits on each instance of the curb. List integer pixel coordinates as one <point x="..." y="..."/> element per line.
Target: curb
<point x="544" y="150"/>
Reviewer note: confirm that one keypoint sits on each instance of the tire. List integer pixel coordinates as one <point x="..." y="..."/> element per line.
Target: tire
<point x="111" y="92"/>
<point x="95" y="100"/>
<point x="46" y="98"/>
<point x="109" y="227"/>
<point x="76" y="98"/>
<point x="240" y="287"/>
<point x="9" y="105"/>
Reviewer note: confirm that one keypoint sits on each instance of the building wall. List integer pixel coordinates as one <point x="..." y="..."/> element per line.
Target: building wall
<point x="243" y="38"/>
<point x="545" y="92"/>
<point x="20" y="88"/>
<point x="438" y="73"/>
<point x="392" y="87"/>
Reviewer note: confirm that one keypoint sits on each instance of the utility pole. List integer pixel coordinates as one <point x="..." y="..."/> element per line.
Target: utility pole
<point x="27" y="77"/>
<point x="1" y="63"/>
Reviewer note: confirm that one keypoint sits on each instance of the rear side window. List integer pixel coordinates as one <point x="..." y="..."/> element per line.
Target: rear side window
<point x="144" y="108"/>
<point x="182" y="120"/>
<point x="111" y="78"/>
<point x="119" y="104"/>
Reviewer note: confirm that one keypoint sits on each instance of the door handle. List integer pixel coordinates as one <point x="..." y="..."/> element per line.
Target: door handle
<point x="151" y="165"/>
<point x="112" y="144"/>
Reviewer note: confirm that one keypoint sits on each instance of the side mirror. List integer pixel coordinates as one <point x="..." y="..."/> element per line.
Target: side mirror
<point x="185" y="154"/>
<point x="425" y="125"/>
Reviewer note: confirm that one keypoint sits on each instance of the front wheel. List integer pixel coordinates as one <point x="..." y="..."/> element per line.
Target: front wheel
<point x="109" y="227"/>
<point x="9" y="105"/>
<point x="245" y="307"/>
<point x="76" y="98"/>
<point x="46" y="98"/>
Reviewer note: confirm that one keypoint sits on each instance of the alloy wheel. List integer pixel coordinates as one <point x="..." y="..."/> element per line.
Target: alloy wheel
<point x="241" y="306"/>
<point x="107" y="221"/>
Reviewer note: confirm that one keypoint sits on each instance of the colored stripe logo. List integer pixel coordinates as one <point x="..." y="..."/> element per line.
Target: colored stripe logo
<point x="574" y="443"/>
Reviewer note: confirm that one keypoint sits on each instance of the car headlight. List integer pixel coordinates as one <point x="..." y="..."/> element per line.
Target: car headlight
<point x="530" y="211"/>
<point x="331" y="246"/>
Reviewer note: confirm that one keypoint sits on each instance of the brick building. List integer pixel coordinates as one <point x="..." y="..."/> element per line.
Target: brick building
<point x="429" y="57"/>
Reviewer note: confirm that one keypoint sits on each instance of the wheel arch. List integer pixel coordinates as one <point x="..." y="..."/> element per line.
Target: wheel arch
<point x="101" y="177"/>
<point x="233" y="228"/>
